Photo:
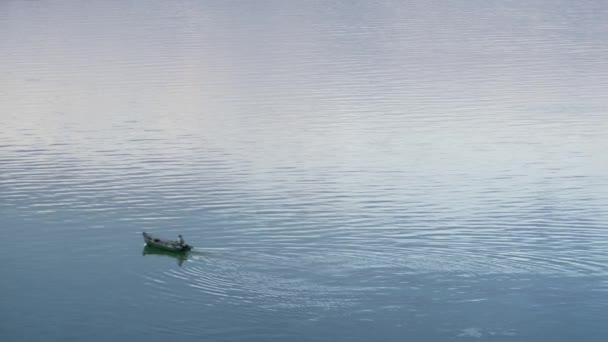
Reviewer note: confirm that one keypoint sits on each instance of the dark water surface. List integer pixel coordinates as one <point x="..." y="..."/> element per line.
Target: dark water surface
<point x="347" y="170"/>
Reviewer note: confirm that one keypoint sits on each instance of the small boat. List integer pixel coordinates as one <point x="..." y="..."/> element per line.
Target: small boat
<point x="168" y="245"/>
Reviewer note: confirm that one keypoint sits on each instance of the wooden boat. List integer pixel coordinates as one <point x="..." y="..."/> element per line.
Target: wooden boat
<point x="168" y="245"/>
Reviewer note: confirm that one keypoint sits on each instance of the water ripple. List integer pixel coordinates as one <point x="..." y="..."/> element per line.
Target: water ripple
<point x="323" y="157"/>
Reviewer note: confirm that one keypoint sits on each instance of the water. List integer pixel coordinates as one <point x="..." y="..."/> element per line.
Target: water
<point x="348" y="171"/>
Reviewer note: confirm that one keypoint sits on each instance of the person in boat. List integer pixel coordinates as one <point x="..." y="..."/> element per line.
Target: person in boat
<point x="181" y="240"/>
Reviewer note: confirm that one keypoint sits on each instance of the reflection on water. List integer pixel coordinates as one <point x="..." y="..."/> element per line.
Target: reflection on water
<point x="351" y="170"/>
<point x="179" y="256"/>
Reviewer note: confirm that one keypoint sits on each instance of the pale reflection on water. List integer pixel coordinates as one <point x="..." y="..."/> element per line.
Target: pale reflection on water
<point x="354" y="171"/>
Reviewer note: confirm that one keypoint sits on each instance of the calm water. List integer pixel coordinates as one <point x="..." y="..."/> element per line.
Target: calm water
<point x="347" y="170"/>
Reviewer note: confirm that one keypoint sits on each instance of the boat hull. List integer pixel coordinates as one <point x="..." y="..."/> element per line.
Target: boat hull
<point x="167" y="245"/>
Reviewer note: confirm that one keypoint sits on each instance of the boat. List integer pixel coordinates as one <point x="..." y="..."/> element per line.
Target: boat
<point x="168" y="245"/>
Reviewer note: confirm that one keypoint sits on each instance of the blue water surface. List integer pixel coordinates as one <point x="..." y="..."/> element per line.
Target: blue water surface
<point x="346" y="170"/>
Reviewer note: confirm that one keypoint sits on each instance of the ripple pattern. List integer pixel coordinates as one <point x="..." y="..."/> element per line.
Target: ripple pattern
<point x="372" y="162"/>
